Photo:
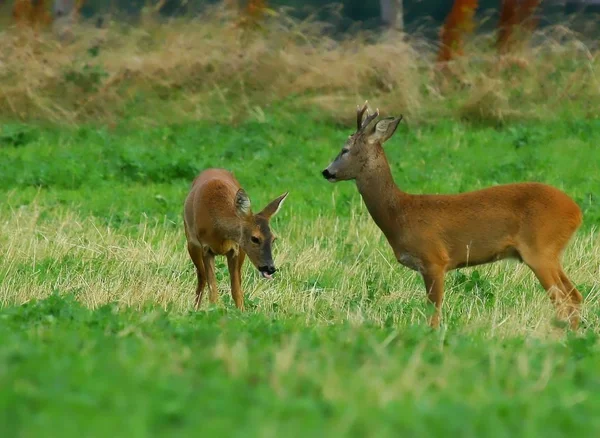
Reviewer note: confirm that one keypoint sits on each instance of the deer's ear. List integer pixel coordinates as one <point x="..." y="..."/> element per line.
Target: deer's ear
<point x="242" y="203"/>
<point x="271" y="210"/>
<point x="384" y="129"/>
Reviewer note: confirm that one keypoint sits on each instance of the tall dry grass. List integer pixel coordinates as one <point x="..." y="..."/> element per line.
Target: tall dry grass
<point x="327" y="276"/>
<point x="208" y="68"/>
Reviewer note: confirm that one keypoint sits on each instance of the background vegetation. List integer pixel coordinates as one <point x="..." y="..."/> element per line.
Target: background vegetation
<point x="102" y="134"/>
<point x="184" y="70"/>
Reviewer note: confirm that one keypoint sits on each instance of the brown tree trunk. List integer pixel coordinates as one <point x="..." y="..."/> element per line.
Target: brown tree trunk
<point x="458" y="23"/>
<point x="516" y="22"/>
<point x="31" y="13"/>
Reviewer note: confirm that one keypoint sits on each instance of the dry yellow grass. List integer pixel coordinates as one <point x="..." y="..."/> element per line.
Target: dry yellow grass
<point x="185" y="69"/>
<point x="327" y="277"/>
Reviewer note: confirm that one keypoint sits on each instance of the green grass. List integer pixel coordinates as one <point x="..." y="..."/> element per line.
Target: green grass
<point x="98" y="335"/>
<point x="150" y="170"/>
<point x="72" y="371"/>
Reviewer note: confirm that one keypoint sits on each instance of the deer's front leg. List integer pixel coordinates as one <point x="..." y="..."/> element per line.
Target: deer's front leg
<point x="434" y="285"/>
<point x="234" y="263"/>
<point x="209" y="267"/>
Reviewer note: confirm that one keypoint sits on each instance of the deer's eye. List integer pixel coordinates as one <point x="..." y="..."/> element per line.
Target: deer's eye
<point x="255" y="240"/>
<point x="345" y="151"/>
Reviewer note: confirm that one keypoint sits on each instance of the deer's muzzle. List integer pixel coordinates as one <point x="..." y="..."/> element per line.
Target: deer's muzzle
<point x="267" y="271"/>
<point x="328" y="175"/>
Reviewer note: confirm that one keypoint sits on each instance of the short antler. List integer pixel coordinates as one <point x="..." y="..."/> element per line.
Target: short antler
<point x="370" y="118"/>
<point x="359" y="115"/>
<point x="360" y="124"/>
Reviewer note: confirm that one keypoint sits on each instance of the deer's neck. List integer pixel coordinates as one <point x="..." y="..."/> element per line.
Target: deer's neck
<point x="231" y="228"/>
<point x="383" y="199"/>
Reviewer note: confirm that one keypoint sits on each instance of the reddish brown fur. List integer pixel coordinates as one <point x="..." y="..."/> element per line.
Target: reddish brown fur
<point x="218" y="221"/>
<point x="434" y="234"/>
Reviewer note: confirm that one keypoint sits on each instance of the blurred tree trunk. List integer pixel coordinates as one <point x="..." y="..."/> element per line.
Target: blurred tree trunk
<point x="458" y="23"/>
<point x="392" y="13"/>
<point x="31" y="13"/>
<point x="516" y="23"/>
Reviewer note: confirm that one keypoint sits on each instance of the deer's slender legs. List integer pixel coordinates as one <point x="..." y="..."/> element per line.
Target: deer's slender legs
<point x="234" y="263"/>
<point x="434" y="285"/>
<point x="563" y="294"/>
<point x="197" y="257"/>
<point x="209" y="268"/>
<point x="575" y="296"/>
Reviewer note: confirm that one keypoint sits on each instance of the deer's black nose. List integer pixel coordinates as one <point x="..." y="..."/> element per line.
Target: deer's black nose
<point x="327" y="174"/>
<point x="268" y="269"/>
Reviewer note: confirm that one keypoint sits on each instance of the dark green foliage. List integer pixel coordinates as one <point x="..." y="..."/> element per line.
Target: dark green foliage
<point x="87" y="77"/>
<point x="16" y="135"/>
<point x="125" y="173"/>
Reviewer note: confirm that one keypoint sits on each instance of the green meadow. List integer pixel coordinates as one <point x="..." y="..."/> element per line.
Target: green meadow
<point x="98" y="334"/>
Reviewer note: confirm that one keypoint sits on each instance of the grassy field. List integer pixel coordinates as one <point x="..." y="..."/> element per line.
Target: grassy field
<point x="98" y="335"/>
<point x="103" y="131"/>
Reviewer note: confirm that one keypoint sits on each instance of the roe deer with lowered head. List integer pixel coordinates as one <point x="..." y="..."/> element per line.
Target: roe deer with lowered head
<point x="218" y="220"/>
<point x="433" y="234"/>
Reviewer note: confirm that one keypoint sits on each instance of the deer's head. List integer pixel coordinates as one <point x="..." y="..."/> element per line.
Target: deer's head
<point x="256" y="237"/>
<point x="362" y="147"/>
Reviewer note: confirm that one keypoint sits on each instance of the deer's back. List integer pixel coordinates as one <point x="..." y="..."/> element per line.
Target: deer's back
<point x="210" y="205"/>
<point x="491" y="221"/>
<point x="533" y="202"/>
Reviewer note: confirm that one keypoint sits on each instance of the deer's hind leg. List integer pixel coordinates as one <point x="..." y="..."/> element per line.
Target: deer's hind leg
<point x="561" y="291"/>
<point x="575" y="297"/>
<point x="196" y="254"/>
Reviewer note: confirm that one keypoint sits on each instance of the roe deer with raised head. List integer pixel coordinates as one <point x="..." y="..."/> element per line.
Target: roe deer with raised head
<point x="433" y="234"/>
<point x="218" y="220"/>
